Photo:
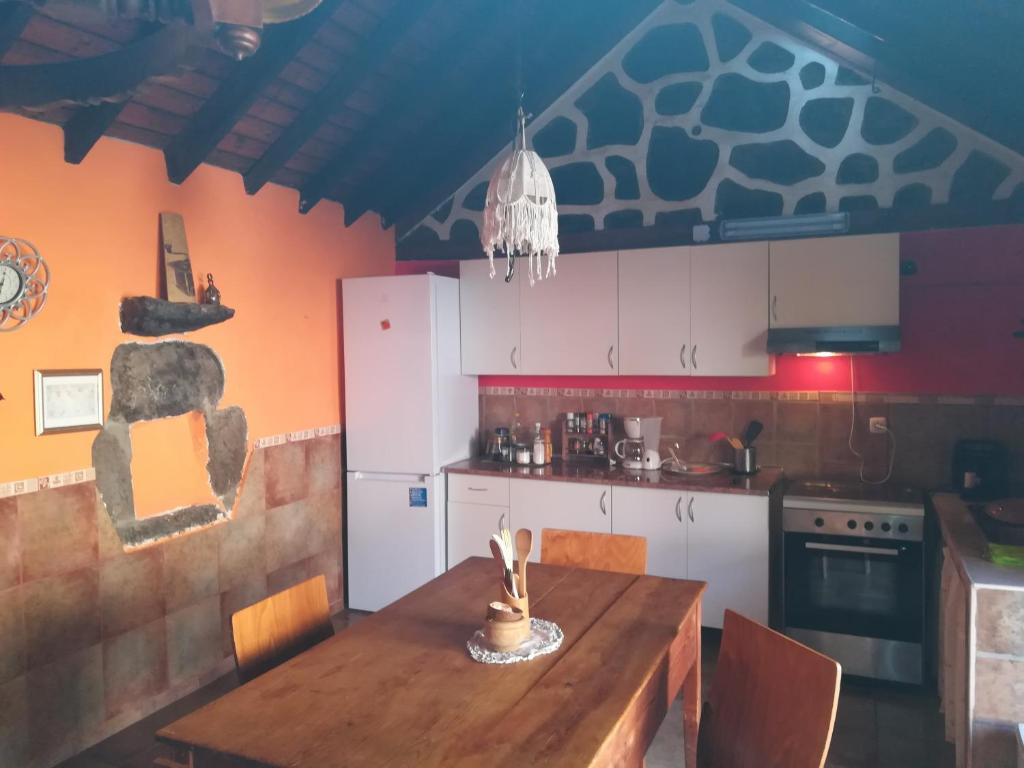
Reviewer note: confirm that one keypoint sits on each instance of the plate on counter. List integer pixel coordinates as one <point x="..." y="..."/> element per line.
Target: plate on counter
<point x="694" y="468"/>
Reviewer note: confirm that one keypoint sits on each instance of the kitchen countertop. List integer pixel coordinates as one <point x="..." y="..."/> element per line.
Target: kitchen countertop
<point x="967" y="545"/>
<point x="760" y="484"/>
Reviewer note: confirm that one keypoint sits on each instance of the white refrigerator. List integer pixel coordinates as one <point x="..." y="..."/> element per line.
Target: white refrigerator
<point x="408" y="412"/>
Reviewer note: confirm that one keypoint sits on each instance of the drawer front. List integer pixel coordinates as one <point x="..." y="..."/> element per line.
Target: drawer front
<point x="478" y="489"/>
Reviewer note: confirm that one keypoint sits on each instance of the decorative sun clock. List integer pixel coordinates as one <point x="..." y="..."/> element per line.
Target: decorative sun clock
<point x="24" y="277"/>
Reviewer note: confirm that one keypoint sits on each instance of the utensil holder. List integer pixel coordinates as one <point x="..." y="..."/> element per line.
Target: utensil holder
<point x="522" y="603"/>
<point x="506" y="635"/>
<point x="746" y="460"/>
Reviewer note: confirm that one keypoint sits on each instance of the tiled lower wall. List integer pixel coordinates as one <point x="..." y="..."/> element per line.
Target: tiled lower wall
<point x="93" y="639"/>
<point x="807" y="433"/>
<point x="998" y="676"/>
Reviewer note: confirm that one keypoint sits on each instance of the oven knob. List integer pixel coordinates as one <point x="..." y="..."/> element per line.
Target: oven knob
<point x="886" y="527"/>
<point x="851" y="524"/>
<point x="819" y="522"/>
<point x="903" y="528"/>
<point x="869" y="526"/>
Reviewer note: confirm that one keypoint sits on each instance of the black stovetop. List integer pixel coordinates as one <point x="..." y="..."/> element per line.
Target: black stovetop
<point x="851" y="490"/>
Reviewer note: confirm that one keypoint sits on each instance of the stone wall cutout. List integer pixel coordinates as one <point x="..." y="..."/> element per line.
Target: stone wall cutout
<point x="168" y="379"/>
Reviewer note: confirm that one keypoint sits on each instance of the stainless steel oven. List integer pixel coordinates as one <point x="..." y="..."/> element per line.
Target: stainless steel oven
<point x="853" y="579"/>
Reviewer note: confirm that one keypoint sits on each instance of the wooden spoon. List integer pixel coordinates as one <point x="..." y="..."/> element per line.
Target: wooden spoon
<point x="524" y="544"/>
<point x="496" y="551"/>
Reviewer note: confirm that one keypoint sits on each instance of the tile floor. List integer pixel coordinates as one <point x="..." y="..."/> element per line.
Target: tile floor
<point x="877" y="726"/>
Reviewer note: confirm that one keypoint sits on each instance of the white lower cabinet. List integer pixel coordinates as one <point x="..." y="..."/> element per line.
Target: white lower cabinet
<point x="660" y="517"/>
<point x="727" y="546"/>
<point x="469" y="530"/>
<point x="539" y="504"/>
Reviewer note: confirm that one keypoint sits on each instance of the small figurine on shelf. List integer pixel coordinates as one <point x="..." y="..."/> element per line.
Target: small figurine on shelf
<point x="212" y="293"/>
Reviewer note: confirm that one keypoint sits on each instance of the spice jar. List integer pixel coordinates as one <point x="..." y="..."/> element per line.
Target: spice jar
<point x="522" y="453"/>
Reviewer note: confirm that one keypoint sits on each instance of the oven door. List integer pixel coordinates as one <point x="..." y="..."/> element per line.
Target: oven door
<point x="848" y="585"/>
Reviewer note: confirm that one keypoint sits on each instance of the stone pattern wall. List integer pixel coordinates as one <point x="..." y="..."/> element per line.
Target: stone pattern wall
<point x="92" y="639"/>
<point x="704" y="112"/>
<point x="804" y="432"/>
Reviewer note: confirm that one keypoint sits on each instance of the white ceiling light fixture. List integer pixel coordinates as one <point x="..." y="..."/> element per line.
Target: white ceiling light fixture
<point x="520" y="214"/>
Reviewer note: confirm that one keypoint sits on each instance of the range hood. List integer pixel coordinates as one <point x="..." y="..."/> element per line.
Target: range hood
<point x="839" y="339"/>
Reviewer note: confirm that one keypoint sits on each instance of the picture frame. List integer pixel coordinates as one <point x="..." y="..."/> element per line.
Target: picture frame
<point x="69" y="400"/>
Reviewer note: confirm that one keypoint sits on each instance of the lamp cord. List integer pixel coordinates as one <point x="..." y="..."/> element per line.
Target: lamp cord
<point x="849" y="442"/>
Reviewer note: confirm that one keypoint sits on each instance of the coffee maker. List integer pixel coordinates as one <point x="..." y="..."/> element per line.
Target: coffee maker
<point x="641" y="432"/>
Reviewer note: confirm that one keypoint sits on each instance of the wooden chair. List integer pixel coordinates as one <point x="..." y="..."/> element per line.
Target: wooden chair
<point x="281" y="626"/>
<point x="772" y="704"/>
<point x="597" y="551"/>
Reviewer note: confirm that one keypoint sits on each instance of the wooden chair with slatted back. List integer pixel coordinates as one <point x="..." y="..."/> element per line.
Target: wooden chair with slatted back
<point x="597" y="551"/>
<point x="772" y="704"/>
<point x="281" y="626"/>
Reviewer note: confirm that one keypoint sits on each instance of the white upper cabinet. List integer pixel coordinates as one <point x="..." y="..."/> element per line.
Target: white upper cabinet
<point x="729" y="296"/>
<point x="569" y="320"/>
<point x="835" y="281"/>
<point x="654" y="311"/>
<point x="490" y="319"/>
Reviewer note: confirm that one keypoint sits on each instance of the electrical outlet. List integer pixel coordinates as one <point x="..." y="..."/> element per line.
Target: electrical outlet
<point x="878" y="425"/>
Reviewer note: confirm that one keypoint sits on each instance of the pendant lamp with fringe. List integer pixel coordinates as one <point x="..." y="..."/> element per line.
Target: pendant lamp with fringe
<point x="520" y="215"/>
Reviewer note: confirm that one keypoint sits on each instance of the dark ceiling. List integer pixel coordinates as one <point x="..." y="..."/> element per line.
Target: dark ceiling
<point x="389" y="105"/>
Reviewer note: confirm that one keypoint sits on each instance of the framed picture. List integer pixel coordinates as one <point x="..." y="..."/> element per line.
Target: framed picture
<point x="68" y="401"/>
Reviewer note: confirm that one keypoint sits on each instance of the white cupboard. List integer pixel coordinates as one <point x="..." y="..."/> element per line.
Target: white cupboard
<point x="569" y="321"/>
<point x="660" y="517"/>
<point x="829" y="281"/>
<point x="539" y="504"/>
<point x="489" y="311"/>
<point x="727" y="546"/>
<point x="729" y="310"/>
<point x="654" y="311"/>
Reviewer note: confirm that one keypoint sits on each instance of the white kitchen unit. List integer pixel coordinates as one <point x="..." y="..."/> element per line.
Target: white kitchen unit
<point x="836" y="281"/>
<point x="489" y="307"/>
<point x="569" y="321"/>
<point x="539" y="504"/>
<point x="476" y="504"/>
<point x="729" y="297"/>
<point x="660" y="517"/>
<point x="727" y="546"/>
<point x="654" y="311"/>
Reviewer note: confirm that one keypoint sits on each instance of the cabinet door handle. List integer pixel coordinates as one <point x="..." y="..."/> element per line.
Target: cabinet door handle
<point x="611" y="364"/>
<point x="679" y="512"/>
<point x="693" y="357"/>
<point x="689" y="510"/>
<point x="512" y="357"/>
<point x="604" y="509"/>
<point x="682" y="356"/>
<point x="775" y="308"/>
<point x="471" y="488"/>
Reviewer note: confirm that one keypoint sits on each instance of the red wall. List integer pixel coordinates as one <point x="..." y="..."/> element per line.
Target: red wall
<point x="958" y="316"/>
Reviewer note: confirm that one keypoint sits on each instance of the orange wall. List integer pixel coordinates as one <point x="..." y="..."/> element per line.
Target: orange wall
<point x="97" y="226"/>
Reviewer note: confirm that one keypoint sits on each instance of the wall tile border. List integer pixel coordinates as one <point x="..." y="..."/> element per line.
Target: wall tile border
<point x="788" y="396"/>
<point x="75" y="476"/>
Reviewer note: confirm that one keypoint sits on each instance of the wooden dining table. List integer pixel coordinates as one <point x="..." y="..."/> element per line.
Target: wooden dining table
<point x="399" y="688"/>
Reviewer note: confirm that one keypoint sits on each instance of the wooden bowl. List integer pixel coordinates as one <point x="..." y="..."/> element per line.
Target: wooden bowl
<point x="507" y="635"/>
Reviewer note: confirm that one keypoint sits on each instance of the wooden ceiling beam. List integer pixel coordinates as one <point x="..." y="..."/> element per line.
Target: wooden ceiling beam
<point x="236" y="95"/>
<point x="375" y="49"/>
<point x="565" y="51"/>
<point x="397" y="117"/>
<point x="86" y="127"/>
<point x="14" y="16"/>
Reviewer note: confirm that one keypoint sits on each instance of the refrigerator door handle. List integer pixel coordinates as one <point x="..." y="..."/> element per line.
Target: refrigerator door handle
<point x="384" y="477"/>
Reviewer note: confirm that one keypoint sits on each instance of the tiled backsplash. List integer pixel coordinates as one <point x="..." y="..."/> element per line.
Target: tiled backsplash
<point x="92" y="639"/>
<point x="807" y="433"/>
